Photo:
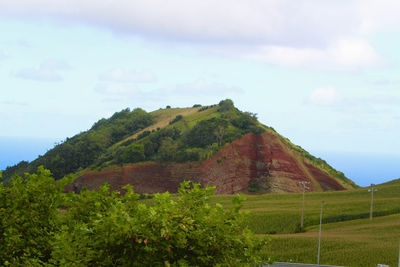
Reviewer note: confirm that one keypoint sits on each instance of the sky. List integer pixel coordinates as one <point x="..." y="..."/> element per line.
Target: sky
<point x="325" y="74"/>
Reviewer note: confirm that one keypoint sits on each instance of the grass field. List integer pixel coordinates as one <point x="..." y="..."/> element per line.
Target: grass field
<point x="349" y="237"/>
<point x="351" y="243"/>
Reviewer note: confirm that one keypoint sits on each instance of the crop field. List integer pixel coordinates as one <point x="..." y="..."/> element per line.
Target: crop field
<point x="349" y="237"/>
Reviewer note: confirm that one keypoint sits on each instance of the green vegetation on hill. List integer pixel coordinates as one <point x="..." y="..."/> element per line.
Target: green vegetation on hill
<point x="164" y="135"/>
<point x="130" y="137"/>
<point x="84" y="148"/>
<point x="191" y="138"/>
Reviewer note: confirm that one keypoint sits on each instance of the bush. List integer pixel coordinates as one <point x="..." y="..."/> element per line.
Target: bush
<point x="101" y="228"/>
<point x="177" y="118"/>
<point x="29" y="218"/>
<point x="253" y="187"/>
<point x="130" y="154"/>
<point x="174" y="231"/>
<point x="143" y="135"/>
<point x="225" y="105"/>
<point x="203" y="133"/>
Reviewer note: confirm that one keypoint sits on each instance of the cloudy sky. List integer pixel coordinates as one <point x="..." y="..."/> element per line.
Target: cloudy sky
<point x="325" y="74"/>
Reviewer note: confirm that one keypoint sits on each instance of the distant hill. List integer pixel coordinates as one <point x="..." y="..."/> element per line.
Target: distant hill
<point x="216" y="145"/>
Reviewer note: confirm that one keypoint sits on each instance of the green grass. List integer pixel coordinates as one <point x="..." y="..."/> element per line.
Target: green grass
<point x="353" y="243"/>
<point x="349" y="237"/>
<point x="281" y="213"/>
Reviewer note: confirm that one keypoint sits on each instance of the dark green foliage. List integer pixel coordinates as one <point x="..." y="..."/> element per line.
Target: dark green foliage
<point x="205" y="108"/>
<point x="88" y="147"/>
<point x="176" y="119"/>
<point x="104" y="229"/>
<point x="143" y="135"/>
<point x="189" y="154"/>
<point x="18" y="168"/>
<point x="245" y="121"/>
<point x="167" y="150"/>
<point x="196" y="105"/>
<point x="29" y="218"/>
<point x="174" y="231"/>
<point x="104" y="145"/>
<point x="253" y="187"/>
<point x="130" y="154"/>
<point x="167" y="107"/>
<point x="225" y="105"/>
<point x="203" y="133"/>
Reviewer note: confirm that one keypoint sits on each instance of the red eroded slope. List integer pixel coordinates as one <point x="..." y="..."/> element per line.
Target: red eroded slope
<point x="253" y="159"/>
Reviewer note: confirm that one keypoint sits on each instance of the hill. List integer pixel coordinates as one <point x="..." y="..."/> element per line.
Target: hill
<point x="216" y="145"/>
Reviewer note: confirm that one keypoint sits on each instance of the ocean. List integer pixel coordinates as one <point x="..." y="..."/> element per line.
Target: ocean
<point x="16" y="149"/>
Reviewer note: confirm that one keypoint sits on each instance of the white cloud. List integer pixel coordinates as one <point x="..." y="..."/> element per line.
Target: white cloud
<point x="328" y="35"/>
<point x="47" y="71"/>
<point x="327" y="96"/>
<point x="343" y="55"/>
<point x="122" y="75"/>
<point x="38" y="74"/>
<point x="274" y="21"/>
<point x="382" y="15"/>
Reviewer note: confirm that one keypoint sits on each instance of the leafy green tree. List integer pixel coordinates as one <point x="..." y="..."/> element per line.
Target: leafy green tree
<point x="203" y="133"/>
<point x="133" y="153"/>
<point x="168" y="149"/>
<point x="225" y="105"/>
<point x="105" y="230"/>
<point x="42" y="226"/>
<point x="29" y="218"/>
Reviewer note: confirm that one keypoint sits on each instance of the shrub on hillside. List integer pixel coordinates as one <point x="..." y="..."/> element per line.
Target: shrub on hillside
<point x="176" y="119"/>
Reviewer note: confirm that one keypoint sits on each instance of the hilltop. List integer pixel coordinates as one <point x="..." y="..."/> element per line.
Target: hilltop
<point x="214" y="145"/>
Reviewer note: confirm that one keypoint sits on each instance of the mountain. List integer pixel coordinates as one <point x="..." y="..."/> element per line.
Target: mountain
<point x="214" y="145"/>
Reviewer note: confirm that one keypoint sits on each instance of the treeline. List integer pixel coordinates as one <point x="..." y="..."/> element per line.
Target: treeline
<point x="41" y="226"/>
<point x="83" y="149"/>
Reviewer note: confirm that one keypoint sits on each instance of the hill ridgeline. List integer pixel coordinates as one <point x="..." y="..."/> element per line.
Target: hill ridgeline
<point x="215" y="145"/>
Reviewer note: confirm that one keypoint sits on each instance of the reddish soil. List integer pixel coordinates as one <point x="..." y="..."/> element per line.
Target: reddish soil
<point x="261" y="159"/>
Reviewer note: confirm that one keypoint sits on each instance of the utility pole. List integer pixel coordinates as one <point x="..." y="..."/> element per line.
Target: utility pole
<point x="320" y="226"/>
<point x="303" y="184"/>
<point x="371" y="211"/>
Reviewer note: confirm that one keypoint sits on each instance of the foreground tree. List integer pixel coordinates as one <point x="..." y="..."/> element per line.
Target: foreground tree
<point x="102" y="228"/>
<point x="29" y="218"/>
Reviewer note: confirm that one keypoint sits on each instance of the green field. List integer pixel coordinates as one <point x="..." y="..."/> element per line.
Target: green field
<point x="349" y="237"/>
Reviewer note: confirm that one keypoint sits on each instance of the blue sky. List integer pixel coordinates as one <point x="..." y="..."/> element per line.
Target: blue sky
<point x="325" y="74"/>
